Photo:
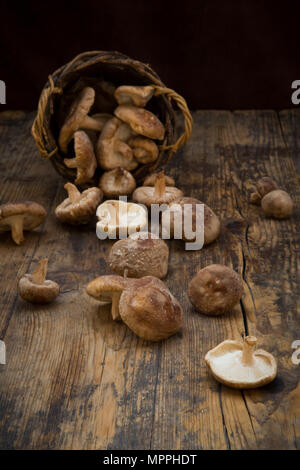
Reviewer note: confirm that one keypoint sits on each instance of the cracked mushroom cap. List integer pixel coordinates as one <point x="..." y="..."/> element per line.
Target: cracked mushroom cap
<point x="78" y="118"/>
<point x="157" y="194"/>
<point x="35" y="288"/>
<point x="141" y="254"/>
<point x="149" y="309"/>
<point x="215" y="289"/>
<point x="108" y="289"/>
<point x="112" y="149"/>
<point x="151" y="180"/>
<point x="141" y="121"/>
<point x="85" y="161"/>
<point x="134" y="95"/>
<point x="117" y="182"/>
<point x="237" y="365"/>
<point x="79" y="207"/>
<point x="186" y="207"/>
<point x="277" y="204"/>
<point x="120" y="219"/>
<point x="19" y="216"/>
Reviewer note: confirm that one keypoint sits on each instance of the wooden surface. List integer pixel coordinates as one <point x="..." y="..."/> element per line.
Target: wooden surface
<point x="74" y="379"/>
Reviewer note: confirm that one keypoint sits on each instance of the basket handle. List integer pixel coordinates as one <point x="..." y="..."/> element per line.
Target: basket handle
<point x="37" y="129"/>
<point x="188" y="120"/>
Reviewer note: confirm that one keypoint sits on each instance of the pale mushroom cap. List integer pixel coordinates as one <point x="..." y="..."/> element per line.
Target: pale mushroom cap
<point x="215" y="289"/>
<point x="277" y="204"/>
<point x="142" y="121"/>
<point x="146" y="195"/>
<point x="85" y="160"/>
<point x="117" y="182"/>
<point x="79" y="110"/>
<point x="144" y="150"/>
<point x="142" y="254"/>
<point x="151" y="179"/>
<point x="265" y="185"/>
<point x="33" y="214"/>
<point x="150" y="310"/>
<point x="102" y="288"/>
<point x="212" y="224"/>
<point x="134" y="95"/>
<point x="37" y="293"/>
<point x="226" y="364"/>
<point x="81" y="211"/>
<point x="119" y="217"/>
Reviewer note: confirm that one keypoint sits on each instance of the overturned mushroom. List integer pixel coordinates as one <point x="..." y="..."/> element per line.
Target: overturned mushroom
<point x="141" y="121"/>
<point x="151" y="180"/>
<point x="142" y="254"/>
<point x="118" y="219"/>
<point x="85" y="161"/>
<point x="19" y="216"/>
<point x="117" y="182"/>
<point x="35" y="288"/>
<point x="277" y="204"/>
<point x="112" y="149"/>
<point x="78" y="118"/>
<point x="145" y="305"/>
<point x="135" y="95"/>
<point x="144" y="150"/>
<point x="79" y="207"/>
<point x="159" y="194"/>
<point x="215" y="289"/>
<point x="238" y="365"/>
<point x="263" y="186"/>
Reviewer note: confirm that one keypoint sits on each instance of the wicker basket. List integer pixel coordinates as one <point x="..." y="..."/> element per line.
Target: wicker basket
<point x="86" y="70"/>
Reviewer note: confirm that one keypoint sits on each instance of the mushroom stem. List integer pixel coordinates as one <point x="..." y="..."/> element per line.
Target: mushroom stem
<point x="92" y="124"/>
<point x="71" y="162"/>
<point x="39" y="274"/>
<point x="115" y="306"/>
<point x="248" y="349"/>
<point x="73" y="193"/>
<point x="160" y="185"/>
<point x="17" y="225"/>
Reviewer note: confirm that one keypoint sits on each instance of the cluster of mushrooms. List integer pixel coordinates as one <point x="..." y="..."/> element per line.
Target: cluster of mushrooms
<point x="136" y="292"/>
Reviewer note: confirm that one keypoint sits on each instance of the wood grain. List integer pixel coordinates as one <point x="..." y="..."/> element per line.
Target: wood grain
<point x="74" y="379"/>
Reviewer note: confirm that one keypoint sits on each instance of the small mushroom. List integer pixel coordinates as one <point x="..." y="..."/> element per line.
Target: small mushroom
<point x="118" y="219"/>
<point x="185" y="209"/>
<point x="35" y="288"/>
<point x="79" y="207"/>
<point x="85" y="160"/>
<point x="112" y="150"/>
<point x="108" y="289"/>
<point x="141" y="254"/>
<point x="151" y="180"/>
<point x="78" y="118"/>
<point x="263" y="186"/>
<point x="144" y="150"/>
<point x="141" y="121"/>
<point x="238" y="365"/>
<point x="134" y="95"/>
<point x="215" y="289"/>
<point x="117" y="182"/>
<point x="145" y="305"/>
<point x="157" y="194"/>
<point x="19" y="216"/>
<point x="277" y="204"/>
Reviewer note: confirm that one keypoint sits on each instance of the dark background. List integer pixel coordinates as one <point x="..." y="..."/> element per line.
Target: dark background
<point x="232" y="54"/>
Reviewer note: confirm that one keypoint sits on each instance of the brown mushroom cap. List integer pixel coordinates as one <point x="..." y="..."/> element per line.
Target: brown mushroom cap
<point x="215" y="289"/>
<point x="159" y="194"/>
<point x="144" y="150"/>
<point x="141" y="254"/>
<point x="142" y="121"/>
<point x="186" y="206"/>
<point x="255" y="198"/>
<point x="112" y="149"/>
<point x="237" y="365"/>
<point x="134" y="95"/>
<point x="277" y="204"/>
<point x="78" y="208"/>
<point x="19" y="216"/>
<point x="78" y="118"/>
<point x="85" y="160"/>
<point x="117" y="182"/>
<point x="149" y="309"/>
<point x="35" y="288"/>
<point x="151" y="180"/>
<point x="265" y="185"/>
<point x="119" y="218"/>
<point x="108" y="289"/>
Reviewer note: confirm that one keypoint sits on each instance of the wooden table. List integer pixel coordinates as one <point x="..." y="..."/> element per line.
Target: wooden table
<point x="74" y="379"/>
